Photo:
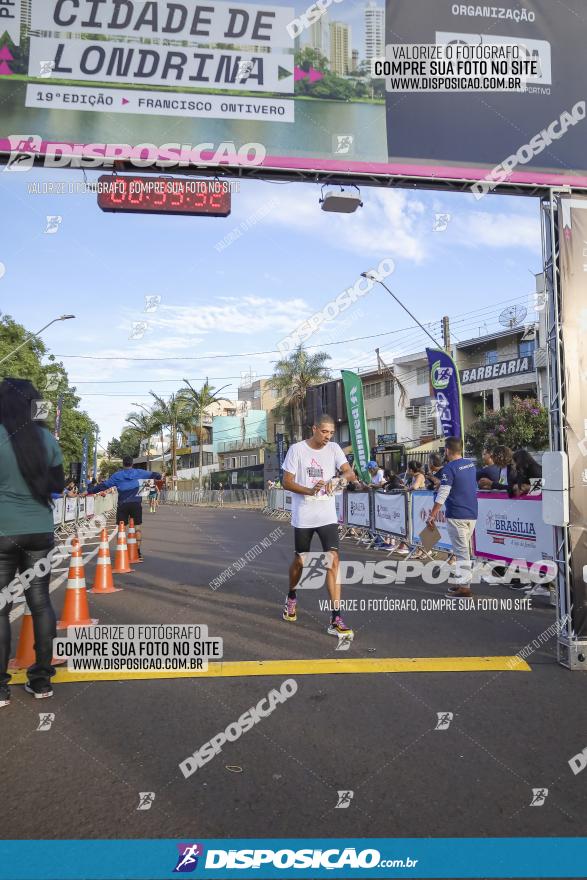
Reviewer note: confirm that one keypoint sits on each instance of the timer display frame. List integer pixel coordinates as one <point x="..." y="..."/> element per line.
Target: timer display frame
<point x="143" y="194"/>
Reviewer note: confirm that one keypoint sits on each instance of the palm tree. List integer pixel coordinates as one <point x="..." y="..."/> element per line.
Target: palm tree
<point x="172" y="414"/>
<point x="197" y="403"/>
<point x="292" y="377"/>
<point x="145" y="426"/>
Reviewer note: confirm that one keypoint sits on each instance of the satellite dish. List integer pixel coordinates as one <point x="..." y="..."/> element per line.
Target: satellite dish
<point x="513" y="316"/>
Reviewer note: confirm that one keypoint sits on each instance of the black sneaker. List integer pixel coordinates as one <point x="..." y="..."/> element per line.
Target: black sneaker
<point x="39" y="690"/>
<point x="4" y="696"/>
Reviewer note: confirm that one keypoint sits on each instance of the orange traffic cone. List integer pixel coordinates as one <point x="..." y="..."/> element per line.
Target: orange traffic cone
<point x="75" y="608"/>
<point x="133" y="547"/>
<point x="25" y="650"/>
<point x="121" y="565"/>
<point x="103" y="581"/>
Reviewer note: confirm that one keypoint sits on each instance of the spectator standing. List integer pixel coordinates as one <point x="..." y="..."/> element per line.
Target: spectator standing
<point x="458" y="492"/>
<point x="31" y="470"/>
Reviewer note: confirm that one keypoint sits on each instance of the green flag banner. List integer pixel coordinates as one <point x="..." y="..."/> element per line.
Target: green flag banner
<point x="353" y="393"/>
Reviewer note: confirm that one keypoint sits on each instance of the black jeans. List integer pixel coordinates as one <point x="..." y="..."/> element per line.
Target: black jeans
<point x="20" y="553"/>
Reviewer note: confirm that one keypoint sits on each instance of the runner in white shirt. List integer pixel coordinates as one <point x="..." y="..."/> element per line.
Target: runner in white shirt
<point x="308" y="472"/>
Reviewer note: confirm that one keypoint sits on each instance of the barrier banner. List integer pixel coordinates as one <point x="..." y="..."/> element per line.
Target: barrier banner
<point x="90" y="504"/>
<point x="422" y="502"/>
<point x="339" y="501"/>
<point x="390" y="512"/>
<point x="58" y="508"/>
<point x="279" y="499"/>
<point x="358" y="509"/>
<point x="81" y="506"/>
<point x="287" y="500"/>
<point x="70" y="509"/>
<point x="512" y="528"/>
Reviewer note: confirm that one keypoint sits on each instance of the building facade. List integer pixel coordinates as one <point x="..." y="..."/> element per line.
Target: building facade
<point x="374" y="17"/>
<point x="497" y="367"/>
<point x="340" y="48"/>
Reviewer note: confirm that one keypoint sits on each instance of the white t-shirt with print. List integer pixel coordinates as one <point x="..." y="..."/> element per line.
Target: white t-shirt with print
<point x="308" y="466"/>
<point x="378" y="478"/>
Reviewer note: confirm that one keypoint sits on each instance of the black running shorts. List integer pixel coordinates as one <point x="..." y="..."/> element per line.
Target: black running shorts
<point x="130" y="509"/>
<point x="328" y="537"/>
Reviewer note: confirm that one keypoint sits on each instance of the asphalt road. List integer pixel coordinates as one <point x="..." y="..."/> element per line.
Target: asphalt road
<point x="373" y="734"/>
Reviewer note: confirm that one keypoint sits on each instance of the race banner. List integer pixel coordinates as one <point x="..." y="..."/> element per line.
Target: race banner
<point x="422" y="503"/>
<point x="287" y="500"/>
<point x="84" y="469"/>
<point x="320" y="90"/>
<point x="10" y="21"/>
<point x="358" y="512"/>
<point x="512" y="528"/>
<point x="58" y="410"/>
<point x="573" y="268"/>
<point x="280" y="453"/>
<point x="339" y="502"/>
<point x="446" y="387"/>
<point x="90" y="503"/>
<point x="390" y="512"/>
<point x="353" y="393"/>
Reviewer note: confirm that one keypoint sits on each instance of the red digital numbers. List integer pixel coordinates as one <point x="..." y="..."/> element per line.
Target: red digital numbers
<point x="164" y="195"/>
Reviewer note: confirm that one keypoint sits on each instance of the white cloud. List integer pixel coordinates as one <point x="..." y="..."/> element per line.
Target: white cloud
<point x="391" y="222"/>
<point x="499" y="230"/>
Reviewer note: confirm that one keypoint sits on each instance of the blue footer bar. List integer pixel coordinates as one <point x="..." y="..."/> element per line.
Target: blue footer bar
<point x="224" y="859"/>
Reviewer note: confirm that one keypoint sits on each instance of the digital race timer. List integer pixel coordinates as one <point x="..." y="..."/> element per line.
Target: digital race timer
<point x="164" y="195"/>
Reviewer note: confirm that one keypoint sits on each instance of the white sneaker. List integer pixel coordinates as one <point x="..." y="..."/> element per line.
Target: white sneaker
<point x="492" y="579"/>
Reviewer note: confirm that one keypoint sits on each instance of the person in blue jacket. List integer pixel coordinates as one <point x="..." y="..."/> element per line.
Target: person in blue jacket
<point x="128" y="481"/>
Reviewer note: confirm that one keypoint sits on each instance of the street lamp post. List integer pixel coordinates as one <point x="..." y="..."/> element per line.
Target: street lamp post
<point x="38" y="333"/>
<point x="405" y="308"/>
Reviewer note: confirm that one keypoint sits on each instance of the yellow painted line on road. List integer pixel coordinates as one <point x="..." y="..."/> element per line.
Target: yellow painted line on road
<point x="247" y="668"/>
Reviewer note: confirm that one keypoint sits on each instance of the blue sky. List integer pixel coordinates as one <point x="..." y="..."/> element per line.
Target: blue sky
<point x="221" y="306"/>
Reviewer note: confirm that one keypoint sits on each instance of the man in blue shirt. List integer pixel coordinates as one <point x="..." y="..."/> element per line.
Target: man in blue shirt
<point x="458" y="492"/>
<point x="129" y="482"/>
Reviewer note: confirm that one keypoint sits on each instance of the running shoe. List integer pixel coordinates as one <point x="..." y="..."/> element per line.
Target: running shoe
<point x="403" y="551"/>
<point x="4" y="696"/>
<point x="339" y="628"/>
<point x="39" y="690"/>
<point x="457" y="592"/>
<point x="290" y="610"/>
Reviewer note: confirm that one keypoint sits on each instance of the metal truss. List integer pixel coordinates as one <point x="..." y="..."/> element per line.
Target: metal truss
<point x="569" y="647"/>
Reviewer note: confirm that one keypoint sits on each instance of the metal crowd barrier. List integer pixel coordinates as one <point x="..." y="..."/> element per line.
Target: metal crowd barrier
<point x="400" y="516"/>
<point x="69" y="513"/>
<point x="215" y="497"/>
